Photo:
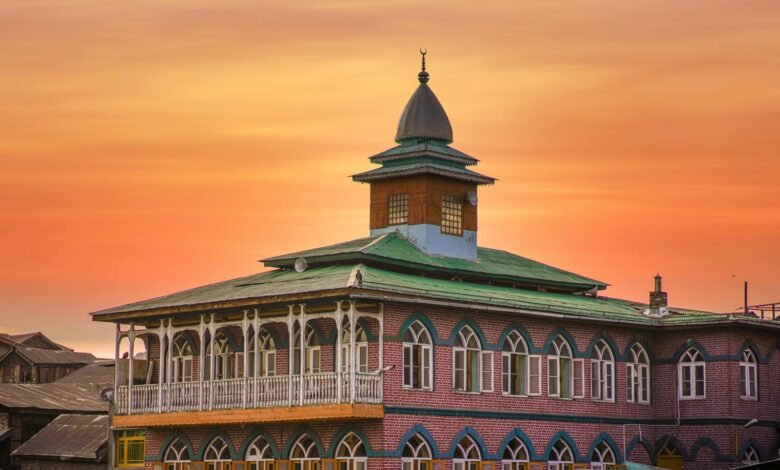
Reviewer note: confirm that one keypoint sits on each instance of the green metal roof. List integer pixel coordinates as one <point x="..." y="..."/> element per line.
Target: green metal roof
<point x="395" y="250"/>
<point x="418" y="168"/>
<point x="424" y="148"/>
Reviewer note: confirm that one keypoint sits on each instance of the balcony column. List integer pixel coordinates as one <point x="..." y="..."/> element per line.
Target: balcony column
<point x="303" y="353"/>
<point x="245" y="326"/>
<point x="382" y="350"/>
<point x="117" y="369"/>
<point x="339" y="366"/>
<point x="256" y="368"/>
<point x="290" y="353"/>
<point x="352" y="324"/>
<point x="202" y="360"/>
<point x="162" y="365"/>
<point x="131" y="337"/>
<point x="169" y="360"/>
<point x="211" y="362"/>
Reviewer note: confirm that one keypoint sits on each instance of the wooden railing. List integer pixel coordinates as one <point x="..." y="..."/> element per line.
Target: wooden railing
<point x="251" y="392"/>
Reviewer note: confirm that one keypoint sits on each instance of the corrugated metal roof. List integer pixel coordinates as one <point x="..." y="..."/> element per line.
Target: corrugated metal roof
<point x="394" y="249"/>
<point x="423" y="149"/>
<point x="71" y="436"/>
<point x="5" y="433"/>
<point x="272" y="283"/>
<point x="101" y="374"/>
<point x="54" y="356"/>
<point x="52" y="396"/>
<point x="411" y="168"/>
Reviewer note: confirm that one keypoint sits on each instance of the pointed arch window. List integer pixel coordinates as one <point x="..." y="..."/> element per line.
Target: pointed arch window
<point x="638" y="376"/>
<point x="217" y="456"/>
<point x="265" y="363"/>
<point x="361" y="348"/>
<point x="603" y="457"/>
<point x="561" y="457"/>
<point x="472" y="367"/>
<point x="515" y="455"/>
<point x="177" y="457"/>
<point x="416" y="454"/>
<point x="692" y="375"/>
<point x="748" y="376"/>
<point x="418" y="357"/>
<point x="351" y="453"/>
<point x="224" y="358"/>
<point x="181" y="359"/>
<point x="750" y="456"/>
<point x="259" y="455"/>
<point x="467" y="455"/>
<point x="515" y="373"/>
<point x="313" y="351"/>
<point x="602" y="372"/>
<point x="564" y="373"/>
<point x="304" y="454"/>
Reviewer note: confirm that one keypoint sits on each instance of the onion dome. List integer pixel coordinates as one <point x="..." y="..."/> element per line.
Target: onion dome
<point x="424" y="117"/>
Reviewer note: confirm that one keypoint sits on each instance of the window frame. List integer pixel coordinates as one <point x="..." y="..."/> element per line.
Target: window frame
<point x="416" y="461"/>
<point x="691" y="362"/>
<point x="417" y="351"/>
<point x="471" y="358"/>
<point x="451" y="215"/>
<point x="602" y="373"/>
<point x="748" y="386"/>
<point x="124" y="441"/>
<point x="514" y="355"/>
<point x="464" y="447"/>
<point x="638" y="376"/>
<point x="397" y="209"/>
<point x="563" y="354"/>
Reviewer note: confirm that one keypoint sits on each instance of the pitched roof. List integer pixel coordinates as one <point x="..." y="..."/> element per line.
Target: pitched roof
<point x="395" y="250"/>
<point x="424" y="148"/>
<point x="52" y="396"/>
<point x="54" y="356"/>
<point x="69" y="437"/>
<point x="99" y="373"/>
<point x="414" y="167"/>
<point x="23" y="338"/>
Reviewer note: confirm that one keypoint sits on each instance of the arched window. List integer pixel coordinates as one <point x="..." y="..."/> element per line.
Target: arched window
<point x="514" y="365"/>
<point x="468" y="364"/>
<point x="224" y="358"/>
<point x="750" y="456"/>
<point x="467" y="455"/>
<point x="361" y="348"/>
<point x="603" y="457"/>
<point x="560" y="372"/>
<point x="304" y="454"/>
<point x="418" y="357"/>
<point x="748" y="376"/>
<point x="259" y="455"/>
<point x="692" y="375"/>
<point x="217" y="456"/>
<point x="181" y="358"/>
<point x="417" y="454"/>
<point x="177" y="457"/>
<point x="602" y="372"/>
<point x="265" y="363"/>
<point x="561" y="456"/>
<point x="351" y="454"/>
<point x="515" y="455"/>
<point x="638" y="375"/>
<point x="312" y="351"/>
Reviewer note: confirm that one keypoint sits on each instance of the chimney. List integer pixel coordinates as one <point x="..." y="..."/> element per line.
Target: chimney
<point x="658" y="300"/>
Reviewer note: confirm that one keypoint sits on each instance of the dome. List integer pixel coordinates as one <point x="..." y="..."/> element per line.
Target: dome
<point x="424" y="117"/>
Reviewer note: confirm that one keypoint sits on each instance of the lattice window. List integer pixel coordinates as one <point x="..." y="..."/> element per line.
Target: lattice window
<point x="451" y="215"/>
<point x="397" y="209"/>
<point x="130" y="448"/>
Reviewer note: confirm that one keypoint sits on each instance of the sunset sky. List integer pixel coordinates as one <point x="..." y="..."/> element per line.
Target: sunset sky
<point x="148" y="147"/>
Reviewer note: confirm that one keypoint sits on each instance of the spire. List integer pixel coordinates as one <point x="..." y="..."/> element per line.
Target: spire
<point x="423" y="117"/>
<point x="423" y="75"/>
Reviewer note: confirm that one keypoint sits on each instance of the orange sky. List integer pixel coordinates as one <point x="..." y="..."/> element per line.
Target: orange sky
<point x="147" y="147"/>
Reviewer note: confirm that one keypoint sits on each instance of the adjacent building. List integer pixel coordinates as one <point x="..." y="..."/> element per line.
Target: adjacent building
<point x="415" y="348"/>
<point x="34" y="358"/>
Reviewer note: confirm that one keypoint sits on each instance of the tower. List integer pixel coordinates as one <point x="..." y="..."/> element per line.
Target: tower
<point x="423" y="188"/>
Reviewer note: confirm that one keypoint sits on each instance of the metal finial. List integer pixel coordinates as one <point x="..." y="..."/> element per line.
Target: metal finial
<point x="423" y="75"/>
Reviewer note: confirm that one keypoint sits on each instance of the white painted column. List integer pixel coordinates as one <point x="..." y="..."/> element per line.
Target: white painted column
<point x="117" y="369"/>
<point x="131" y="337"/>
<point x="245" y="325"/>
<point x="168" y="361"/>
<point x="352" y="324"/>
<point x="381" y="352"/>
<point x="256" y="336"/>
<point x="201" y="360"/>
<point x="162" y="365"/>
<point x="303" y="354"/>
<point x="339" y="367"/>
<point x="211" y="362"/>
<point x="290" y="354"/>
